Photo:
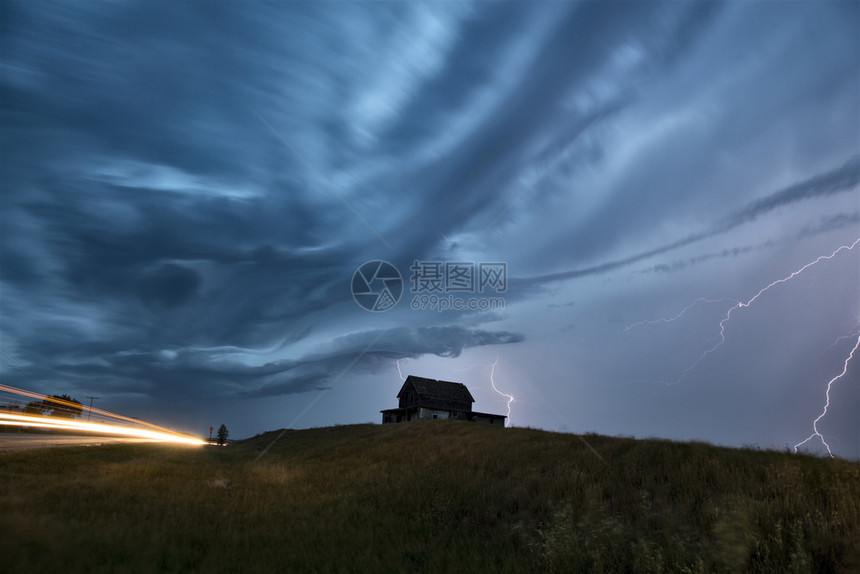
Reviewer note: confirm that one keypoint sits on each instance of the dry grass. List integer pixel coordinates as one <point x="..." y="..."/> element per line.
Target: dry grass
<point x="439" y="496"/>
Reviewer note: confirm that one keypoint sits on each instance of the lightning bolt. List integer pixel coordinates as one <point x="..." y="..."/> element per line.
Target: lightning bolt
<point x="815" y="432"/>
<point x="632" y="326"/>
<point x="839" y="339"/>
<point x="493" y="383"/>
<point x="399" y="372"/>
<point x="741" y="304"/>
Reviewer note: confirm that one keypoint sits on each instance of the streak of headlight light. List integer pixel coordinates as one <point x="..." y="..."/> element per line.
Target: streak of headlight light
<point x="49" y="422"/>
<point x="31" y="394"/>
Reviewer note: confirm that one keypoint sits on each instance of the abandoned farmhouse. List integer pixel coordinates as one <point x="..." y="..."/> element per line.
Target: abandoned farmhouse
<point x="422" y="398"/>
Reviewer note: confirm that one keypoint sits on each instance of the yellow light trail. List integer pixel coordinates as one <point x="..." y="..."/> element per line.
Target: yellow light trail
<point x="110" y="415"/>
<point x="102" y="428"/>
<point x="153" y="432"/>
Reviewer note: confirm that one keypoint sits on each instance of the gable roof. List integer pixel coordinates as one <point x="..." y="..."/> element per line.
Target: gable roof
<point x="438" y="389"/>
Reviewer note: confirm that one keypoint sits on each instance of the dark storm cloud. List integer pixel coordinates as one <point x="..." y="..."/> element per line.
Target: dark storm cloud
<point x="470" y="183"/>
<point x="168" y="285"/>
<point x="170" y="88"/>
<point x="369" y="351"/>
<point x="683" y="121"/>
<point x="824" y="225"/>
<point x="842" y="179"/>
<point x="197" y="372"/>
<point x="442" y="341"/>
<point x="146" y="186"/>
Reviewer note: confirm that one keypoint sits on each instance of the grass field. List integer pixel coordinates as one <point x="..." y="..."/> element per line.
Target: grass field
<point x="434" y="496"/>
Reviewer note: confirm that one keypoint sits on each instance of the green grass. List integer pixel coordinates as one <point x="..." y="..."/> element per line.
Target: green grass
<point x="435" y="496"/>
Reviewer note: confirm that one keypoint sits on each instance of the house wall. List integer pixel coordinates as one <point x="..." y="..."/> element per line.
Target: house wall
<point x="407" y="399"/>
<point x="432" y="414"/>
<point x="445" y="405"/>
<point x="425" y="413"/>
<point x="410" y="397"/>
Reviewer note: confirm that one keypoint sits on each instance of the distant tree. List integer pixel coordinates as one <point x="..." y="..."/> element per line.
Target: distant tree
<point x="61" y="406"/>
<point x="223" y="433"/>
<point x="36" y="408"/>
<point x="64" y="409"/>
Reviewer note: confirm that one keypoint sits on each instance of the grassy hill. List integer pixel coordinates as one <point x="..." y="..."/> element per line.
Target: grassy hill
<point x="434" y="496"/>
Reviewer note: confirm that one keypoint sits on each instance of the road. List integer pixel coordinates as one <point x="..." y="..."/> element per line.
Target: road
<point x="20" y="441"/>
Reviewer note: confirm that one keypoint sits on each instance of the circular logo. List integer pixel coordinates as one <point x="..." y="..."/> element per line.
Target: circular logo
<point x="377" y="286"/>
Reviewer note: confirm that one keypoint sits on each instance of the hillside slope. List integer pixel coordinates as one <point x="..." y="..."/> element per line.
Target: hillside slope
<point x="434" y="496"/>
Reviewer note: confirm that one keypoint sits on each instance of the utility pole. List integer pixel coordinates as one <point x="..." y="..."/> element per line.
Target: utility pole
<point x="89" y="414"/>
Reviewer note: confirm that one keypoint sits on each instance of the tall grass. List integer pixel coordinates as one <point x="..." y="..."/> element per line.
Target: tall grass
<point x="434" y="496"/>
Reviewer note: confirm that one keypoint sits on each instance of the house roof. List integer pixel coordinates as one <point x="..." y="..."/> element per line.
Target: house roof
<point x="438" y="389"/>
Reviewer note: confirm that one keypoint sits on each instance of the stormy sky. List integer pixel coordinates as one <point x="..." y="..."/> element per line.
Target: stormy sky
<point x="188" y="189"/>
